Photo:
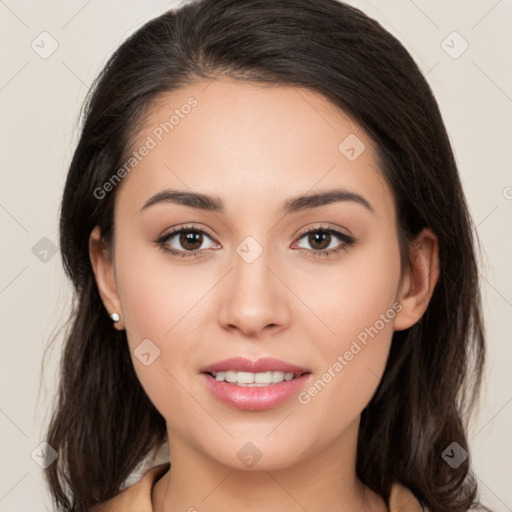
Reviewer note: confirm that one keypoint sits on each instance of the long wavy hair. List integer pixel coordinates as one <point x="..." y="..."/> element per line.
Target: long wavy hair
<point x="103" y="424"/>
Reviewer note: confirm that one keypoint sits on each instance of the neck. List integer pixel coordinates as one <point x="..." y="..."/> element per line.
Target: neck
<point x="323" y="480"/>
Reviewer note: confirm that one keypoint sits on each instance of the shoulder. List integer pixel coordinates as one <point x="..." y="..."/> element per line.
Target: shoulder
<point x="137" y="497"/>
<point x="403" y="500"/>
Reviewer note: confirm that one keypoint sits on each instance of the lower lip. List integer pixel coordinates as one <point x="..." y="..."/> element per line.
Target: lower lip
<point x="255" y="398"/>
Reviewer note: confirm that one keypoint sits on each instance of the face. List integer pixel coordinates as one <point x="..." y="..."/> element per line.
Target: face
<point x="315" y="285"/>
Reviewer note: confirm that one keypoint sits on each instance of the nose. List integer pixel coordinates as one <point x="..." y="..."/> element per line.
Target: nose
<point x="254" y="298"/>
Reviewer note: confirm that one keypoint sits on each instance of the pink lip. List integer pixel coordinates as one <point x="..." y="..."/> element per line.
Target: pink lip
<point x="241" y="364"/>
<point x="255" y="398"/>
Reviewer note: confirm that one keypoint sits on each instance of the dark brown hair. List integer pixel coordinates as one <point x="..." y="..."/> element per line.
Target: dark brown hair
<point x="104" y="423"/>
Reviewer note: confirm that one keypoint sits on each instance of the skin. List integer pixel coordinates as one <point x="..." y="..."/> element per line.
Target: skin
<point x="254" y="147"/>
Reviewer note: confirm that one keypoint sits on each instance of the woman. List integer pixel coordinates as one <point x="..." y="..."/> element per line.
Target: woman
<point x="275" y="273"/>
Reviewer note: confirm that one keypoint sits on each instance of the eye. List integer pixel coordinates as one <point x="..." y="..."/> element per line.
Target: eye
<point x="190" y="239"/>
<point x="321" y="240"/>
<point x="189" y="243"/>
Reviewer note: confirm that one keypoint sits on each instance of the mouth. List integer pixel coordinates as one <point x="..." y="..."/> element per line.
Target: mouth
<point x="254" y="385"/>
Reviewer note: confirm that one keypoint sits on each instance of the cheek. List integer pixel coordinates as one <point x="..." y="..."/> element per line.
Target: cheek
<point x="355" y="295"/>
<point x="163" y="309"/>
<point x="357" y="304"/>
<point x="156" y="295"/>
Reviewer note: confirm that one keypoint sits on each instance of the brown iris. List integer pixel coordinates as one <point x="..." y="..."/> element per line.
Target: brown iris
<point x="193" y="238"/>
<point x="319" y="237"/>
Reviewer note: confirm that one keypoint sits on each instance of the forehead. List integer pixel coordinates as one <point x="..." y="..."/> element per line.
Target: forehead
<point x="252" y="144"/>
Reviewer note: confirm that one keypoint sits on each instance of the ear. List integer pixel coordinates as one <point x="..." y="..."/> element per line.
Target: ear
<point x="103" y="267"/>
<point x="419" y="280"/>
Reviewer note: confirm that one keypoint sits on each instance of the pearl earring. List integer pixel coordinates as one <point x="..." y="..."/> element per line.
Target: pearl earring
<point x="115" y="317"/>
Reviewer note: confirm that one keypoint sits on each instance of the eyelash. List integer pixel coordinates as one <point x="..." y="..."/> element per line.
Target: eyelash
<point x="347" y="241"/>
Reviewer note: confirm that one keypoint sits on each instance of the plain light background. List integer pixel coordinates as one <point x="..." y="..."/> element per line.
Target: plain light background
<point x="40" y="100"/>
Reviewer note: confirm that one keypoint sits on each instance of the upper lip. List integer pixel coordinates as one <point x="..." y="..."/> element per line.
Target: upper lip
<point x="266" y="364"/>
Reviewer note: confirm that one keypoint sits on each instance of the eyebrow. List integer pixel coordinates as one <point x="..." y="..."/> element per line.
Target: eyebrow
<point x="295" y="204"/>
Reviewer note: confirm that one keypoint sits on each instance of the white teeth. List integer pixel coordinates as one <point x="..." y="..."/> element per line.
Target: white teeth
<point x="253" y="379"/>
<point x="231" y="377"/>
<point x="278" y="376"/>
<point x="245" y="378"/>
<point x="264" y="378"/>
